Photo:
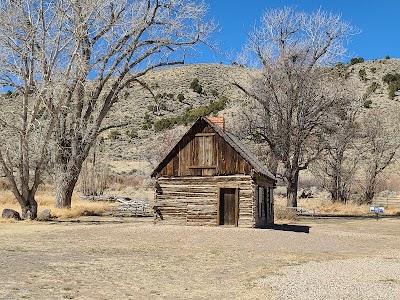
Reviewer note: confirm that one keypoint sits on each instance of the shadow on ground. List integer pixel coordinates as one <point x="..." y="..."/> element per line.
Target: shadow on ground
<point x="293" y="228"/>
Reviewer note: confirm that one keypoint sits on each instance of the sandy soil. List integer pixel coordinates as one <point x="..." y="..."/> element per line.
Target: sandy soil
<point x="123" y="258"/>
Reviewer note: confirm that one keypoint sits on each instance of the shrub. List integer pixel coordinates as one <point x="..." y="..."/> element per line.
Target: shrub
<point x="132" y="134"/>
<point x="214" y="93"/>
<point x="340" y="65"/>
<point x="373" y="70"/>
<point x="393" y="88"/>
<point x="371" y="89"/>
<point x="8" y="94"/>
<point x="388" y="78"/>
<point x="147" y="122"/>
<point x="355" y="60"/>
<point x="146" y="126"/>
<point x="196" y="86"/>
<point x="387" y="57"/>
<point x="181" y="97"/>
<point x="340" y="69"/>
<point x="114" y="135"/>
<point x="152" y="108"/>
<point x="394" y="83"/>
<point x="362" y="74"/>
<point x="191" y="115"/>
<point x="367" y="103"/>
<point x="198" y="89"/>
<point x="164" y="123"/>
<point x="194" y="83"/>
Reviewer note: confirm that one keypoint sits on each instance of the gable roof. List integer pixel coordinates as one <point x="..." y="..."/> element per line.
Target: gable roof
<point x="232" y="140"/>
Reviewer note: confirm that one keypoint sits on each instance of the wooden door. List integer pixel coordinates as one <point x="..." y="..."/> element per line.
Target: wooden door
<point x="228" y="206"/>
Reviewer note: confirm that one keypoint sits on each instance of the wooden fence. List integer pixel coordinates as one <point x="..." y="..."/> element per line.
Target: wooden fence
<point x="390" y="201"/>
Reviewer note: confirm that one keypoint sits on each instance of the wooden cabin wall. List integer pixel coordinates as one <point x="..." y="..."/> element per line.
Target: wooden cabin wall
<point x="193" y="200"/>
<point x="261" y="221"/>
<point x="205" y="154"/>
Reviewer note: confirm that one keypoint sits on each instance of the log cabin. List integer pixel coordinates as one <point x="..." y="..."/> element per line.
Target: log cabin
<point x="210" y="178"/>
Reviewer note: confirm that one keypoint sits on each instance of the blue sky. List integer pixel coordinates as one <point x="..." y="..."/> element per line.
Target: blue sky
<point x="378" y="21"/>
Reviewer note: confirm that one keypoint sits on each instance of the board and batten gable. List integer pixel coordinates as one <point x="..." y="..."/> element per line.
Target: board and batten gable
<point x="203" y="152"/>
<point x="210" y="178"/>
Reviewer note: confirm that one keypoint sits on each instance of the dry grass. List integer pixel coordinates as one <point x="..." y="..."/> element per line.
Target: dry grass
<point x="323" y="205"/>
<point x="46" y="200"/>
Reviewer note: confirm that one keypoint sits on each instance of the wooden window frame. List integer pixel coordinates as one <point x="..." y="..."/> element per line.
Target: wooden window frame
<point x="236" y="188"/>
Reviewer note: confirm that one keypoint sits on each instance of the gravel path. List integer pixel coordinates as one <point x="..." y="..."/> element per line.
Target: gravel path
<point x="360" y="278"/>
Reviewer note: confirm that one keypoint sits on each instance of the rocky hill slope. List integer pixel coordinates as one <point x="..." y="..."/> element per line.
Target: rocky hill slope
<point x="169" y="94"/>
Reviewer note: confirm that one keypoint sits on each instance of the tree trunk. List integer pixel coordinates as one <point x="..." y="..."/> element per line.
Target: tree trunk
<point x="369" y="192"/>
<point x="336" y="188"/>
<point x="370" y="187"/>
<point x="65" y="184"/>
<point x="28" y="205"/>
<point x="29" y="209"/>
<point x="67" y="174"/>
<point x="291" y="187"/>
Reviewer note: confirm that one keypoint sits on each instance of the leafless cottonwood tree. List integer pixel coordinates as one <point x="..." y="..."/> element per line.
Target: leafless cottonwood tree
<point x="23" y="150"/>
<point x="291" y="99"/>
<point x="382" y="142"/>
<point x="79" y="55"/>
<point x="336" y="167"/>
<point x="94" y="172"/>
<point x="26" y="127"/>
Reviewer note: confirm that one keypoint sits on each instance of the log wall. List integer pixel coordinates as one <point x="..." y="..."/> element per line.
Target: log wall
<point x="268" y="218"/>
<point x="193" y="200"/>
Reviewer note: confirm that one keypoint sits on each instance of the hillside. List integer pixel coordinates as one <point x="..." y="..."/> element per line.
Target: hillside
<point x="124" y="153"/>
<point x="168" y="94"/>
<point x="125" y="147"/>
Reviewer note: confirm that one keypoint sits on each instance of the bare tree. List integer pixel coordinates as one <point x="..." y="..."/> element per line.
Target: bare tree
<point x="336" y="167"/>
<point x="84" y="53"/>
<point x="26" y="69"/>
<point x="382" y="141"/>
<point x="291" y="98"/>
<point x="93" y="176"/>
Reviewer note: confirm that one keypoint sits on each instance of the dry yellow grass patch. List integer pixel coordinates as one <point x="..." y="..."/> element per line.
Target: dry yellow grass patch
<point x="46" y="200"/>
<point x="323" y="205"/>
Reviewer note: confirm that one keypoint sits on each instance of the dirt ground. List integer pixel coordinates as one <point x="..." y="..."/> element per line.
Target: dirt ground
<point x="125" y="258"/>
